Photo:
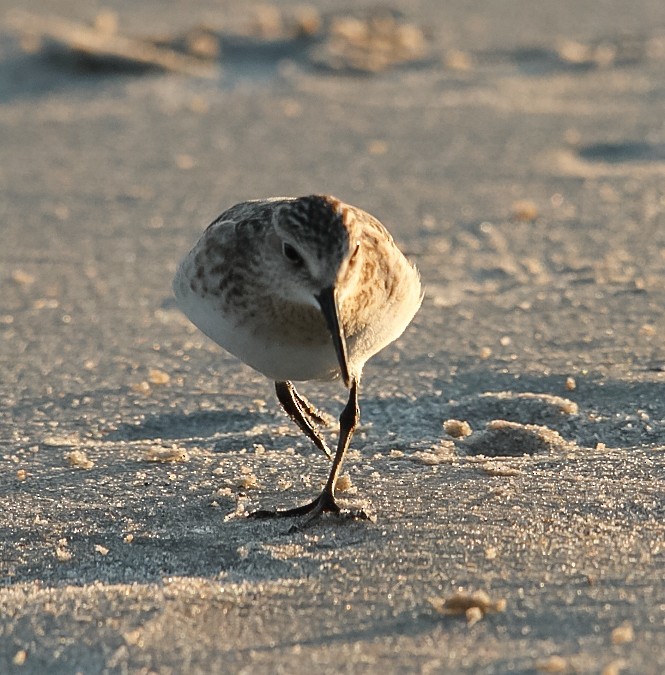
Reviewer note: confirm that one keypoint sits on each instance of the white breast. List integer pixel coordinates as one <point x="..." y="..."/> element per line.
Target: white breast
<point x="258" y="348"/>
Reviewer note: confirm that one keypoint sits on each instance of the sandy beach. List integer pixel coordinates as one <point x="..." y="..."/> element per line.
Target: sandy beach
<point x="512" y="447"/>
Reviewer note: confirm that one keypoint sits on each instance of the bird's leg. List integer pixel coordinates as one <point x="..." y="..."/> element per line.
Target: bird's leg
<point x="303" y="413"/>
<point x="348" y="421"/>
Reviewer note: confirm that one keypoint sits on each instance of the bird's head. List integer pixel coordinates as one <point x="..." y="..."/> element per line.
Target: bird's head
<point x="315" y="247"/>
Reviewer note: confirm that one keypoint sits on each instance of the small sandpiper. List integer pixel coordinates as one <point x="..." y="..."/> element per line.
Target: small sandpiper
<point x="305" y="288"/>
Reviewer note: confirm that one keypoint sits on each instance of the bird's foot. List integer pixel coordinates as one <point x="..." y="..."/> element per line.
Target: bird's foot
<point x="324" y="503"/>
<point x="316" y="415"/>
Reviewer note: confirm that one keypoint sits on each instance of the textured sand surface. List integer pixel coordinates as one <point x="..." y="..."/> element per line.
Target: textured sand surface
<point x="516" y="150"/>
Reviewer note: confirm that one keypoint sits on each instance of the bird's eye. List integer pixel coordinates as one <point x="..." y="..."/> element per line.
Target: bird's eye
<point x="354" y="255"/>
<point x="291" y="254"/>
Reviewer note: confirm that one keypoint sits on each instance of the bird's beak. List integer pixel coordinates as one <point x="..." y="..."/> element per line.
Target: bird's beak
<point x="328" y="304"/>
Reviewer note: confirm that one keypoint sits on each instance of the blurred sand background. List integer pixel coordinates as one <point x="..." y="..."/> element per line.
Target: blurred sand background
<point x="516" y="150"/>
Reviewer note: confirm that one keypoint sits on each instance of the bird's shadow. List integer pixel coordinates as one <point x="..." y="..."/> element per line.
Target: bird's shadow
<point x="218" y="431"/>
<point x="388" y="418"/>
<point x="177" y="426"/>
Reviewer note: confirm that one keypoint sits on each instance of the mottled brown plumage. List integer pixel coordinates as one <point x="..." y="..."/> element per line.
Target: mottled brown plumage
<point x="300" y="289"/>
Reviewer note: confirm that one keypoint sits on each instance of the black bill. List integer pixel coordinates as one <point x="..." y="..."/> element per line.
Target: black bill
<point x="328" y="304"/>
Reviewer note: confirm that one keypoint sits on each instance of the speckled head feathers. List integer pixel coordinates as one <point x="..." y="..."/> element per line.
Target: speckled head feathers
<point x="317" y="218"/>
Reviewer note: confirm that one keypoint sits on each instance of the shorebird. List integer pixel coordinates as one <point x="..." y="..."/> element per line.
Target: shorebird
<point x="305" y="288"/>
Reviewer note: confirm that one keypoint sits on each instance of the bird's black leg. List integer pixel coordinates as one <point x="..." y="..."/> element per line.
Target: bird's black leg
<point x="348" y="422"/>
<point x="303" y="413"/>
